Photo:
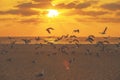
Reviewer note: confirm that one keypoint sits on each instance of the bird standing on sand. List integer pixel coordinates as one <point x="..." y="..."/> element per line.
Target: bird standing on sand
<point x="49" y="30"/>
<point x="13" y="43"/>
<point x="10" y="38"/>
<point x="104" y="32"/>
<point x="26" y="41"/>
<point x="37" y="38"/>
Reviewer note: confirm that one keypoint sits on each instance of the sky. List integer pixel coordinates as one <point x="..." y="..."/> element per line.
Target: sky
<point x="29" y="17"/>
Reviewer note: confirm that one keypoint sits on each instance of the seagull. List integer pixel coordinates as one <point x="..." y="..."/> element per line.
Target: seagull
<point x="66" y="36"/>
<point x="118" y="44"/>
<point x="38" y="45"/>
<point x="26" y="41"/>
<point x="10" y="38"/>
<point x="3" y="51"/>
<point x="63" y="49"/>
<point x="58" y="39"/>
<point x="37" y="38"/>
<point x="104" y="32"/>
<point x="77" y="45"/>
<point x="107" y="42"/>
<point x="73" y="36"/>
<point x="76" y="40"/>
<point x="76" y="31"/>
<point x="99" y="43"/>
<point x="90" y="38"/>
<point x="13" y="43"/>
<point x="49" y="30"/>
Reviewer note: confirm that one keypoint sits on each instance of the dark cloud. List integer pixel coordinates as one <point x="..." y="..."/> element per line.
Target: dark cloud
<point x="87" y="13"/>
<point x="25" y="5"/>
<point x="104" y="20"/>
<point x="118" y="14"/>
<point x="93" y="13"/>
<point x="111" y="6"/>
<point x="31" y="20"/>
<point x="25" y="9"/>
<point x="35" y="5"/>
<point x="68" y="6"/>
<point x="76" y="5"/>
<point x="108" y="20"/>
<point x="5" y="19"/>
<point x="47" y="1"/>
<point x="86" y="4"/>
<point x="23" y="12"/>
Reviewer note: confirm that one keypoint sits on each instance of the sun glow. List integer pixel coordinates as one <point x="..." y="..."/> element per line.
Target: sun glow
<point x="52" y="13"/>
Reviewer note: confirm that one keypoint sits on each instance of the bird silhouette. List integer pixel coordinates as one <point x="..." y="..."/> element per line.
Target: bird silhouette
<point x="49" y="30"/>
<point x="37" y="38"/>
<point x="66" y="36"/>
<point x="73" y="36"/>
<point x="13" y="43"/>
<point x="26" y="41"/>
<point x="90" y="38"/>
<point x="104" y="32"/>
<point x="76" y="31"/>
<point x="58" y="38"/>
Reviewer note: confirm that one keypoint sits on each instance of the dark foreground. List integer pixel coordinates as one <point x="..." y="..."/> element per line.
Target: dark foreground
<point x="59" y="62"/>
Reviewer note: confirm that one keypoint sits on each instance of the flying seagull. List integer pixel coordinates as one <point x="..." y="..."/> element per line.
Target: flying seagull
<point x="90" y="38"/>
<point x="76" y="31"/>
<point x="104" y="32"/>
<point x="49" y="30"/>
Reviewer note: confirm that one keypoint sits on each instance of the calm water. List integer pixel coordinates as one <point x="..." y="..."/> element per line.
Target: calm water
<point x="82" y="40"/>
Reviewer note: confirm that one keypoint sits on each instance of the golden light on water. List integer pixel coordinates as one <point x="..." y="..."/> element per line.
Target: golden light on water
<point x="52" y="13"/>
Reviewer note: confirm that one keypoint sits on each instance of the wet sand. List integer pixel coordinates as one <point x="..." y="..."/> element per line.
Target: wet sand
<point x="59" y="62"/>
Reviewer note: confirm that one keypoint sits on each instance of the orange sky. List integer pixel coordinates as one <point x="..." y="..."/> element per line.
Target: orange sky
<point x="28" y="17"/>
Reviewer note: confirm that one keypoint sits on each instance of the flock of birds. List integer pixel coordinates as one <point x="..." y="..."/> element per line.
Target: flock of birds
<point x="76" y="30"/>
<point x="72" y="39"/>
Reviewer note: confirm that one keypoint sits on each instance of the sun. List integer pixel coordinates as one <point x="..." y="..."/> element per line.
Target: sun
<point x="52" y="13"/>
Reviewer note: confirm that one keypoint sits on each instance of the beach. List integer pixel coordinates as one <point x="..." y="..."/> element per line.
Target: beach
<point x="59" y="62"/>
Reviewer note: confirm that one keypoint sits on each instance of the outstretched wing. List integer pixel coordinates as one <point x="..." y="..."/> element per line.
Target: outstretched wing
<point x="49" y="30"/>
<point x="105" y="30"/>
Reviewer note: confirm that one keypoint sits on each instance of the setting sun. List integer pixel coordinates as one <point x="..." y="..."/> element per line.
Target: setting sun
<point x="52" y="13"/>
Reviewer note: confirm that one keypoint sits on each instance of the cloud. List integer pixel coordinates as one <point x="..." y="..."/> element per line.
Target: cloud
<point x="25" y="9"/>
<point x="111" y="6"/>
<point x="118" y="13"/>
<point x="68" y="6"/>
<point x="31" y="20"/>
<point x="108" y="20"/>
<point x="5" y="19"/>
<point x="94" y="13"/>
<point x="104" y="20"/>
<point x="25" y="5"/>
<point x="76" y="5"/>
<point x="87" y="13"/>
<point x="47" y="1"/>
<point x="34" y="5"/>
<point x="23" y="12"/>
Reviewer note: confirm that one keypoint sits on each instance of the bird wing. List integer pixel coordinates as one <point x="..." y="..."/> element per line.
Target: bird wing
<point x="105" y="30"/>
<point x="48" y="29"/>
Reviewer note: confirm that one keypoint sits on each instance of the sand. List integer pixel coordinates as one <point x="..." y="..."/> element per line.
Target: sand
<point x="71" y="62"/>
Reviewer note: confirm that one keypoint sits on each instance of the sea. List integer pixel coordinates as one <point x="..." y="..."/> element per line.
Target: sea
<point x="45" y="40"/>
